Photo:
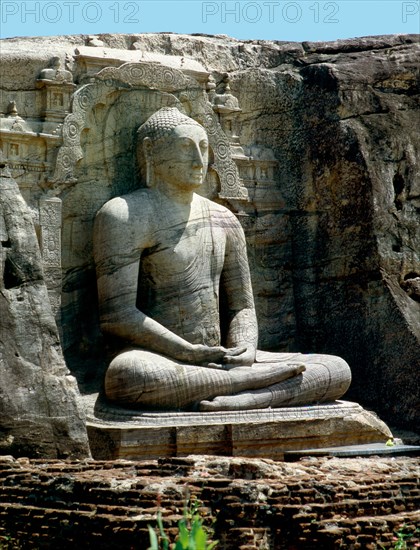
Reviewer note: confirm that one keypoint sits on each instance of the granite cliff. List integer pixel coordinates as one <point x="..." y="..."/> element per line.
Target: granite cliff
<point x="41" y="412"/>
<point x="333" y="236"/>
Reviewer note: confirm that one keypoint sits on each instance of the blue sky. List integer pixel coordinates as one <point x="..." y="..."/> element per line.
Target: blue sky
<point x="262" y="19"/>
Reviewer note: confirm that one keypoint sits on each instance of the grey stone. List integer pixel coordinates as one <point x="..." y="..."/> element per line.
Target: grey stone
<point x="118" y="433"/>
<point x="332" y="237"/>
<point x="367" y="449"/>
<point x="175" y="291"/>
<point x="40" y="409"/>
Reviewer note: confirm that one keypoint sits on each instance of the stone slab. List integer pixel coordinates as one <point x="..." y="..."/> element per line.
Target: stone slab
<point x="115" y="433"/>
<point x="369" y="449"/>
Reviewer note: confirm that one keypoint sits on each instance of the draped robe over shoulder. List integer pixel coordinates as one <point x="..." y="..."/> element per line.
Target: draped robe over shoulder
<point x="186" y="269"/>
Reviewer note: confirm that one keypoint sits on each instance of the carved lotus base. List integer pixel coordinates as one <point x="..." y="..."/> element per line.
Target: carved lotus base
<point x="117" y="433"/>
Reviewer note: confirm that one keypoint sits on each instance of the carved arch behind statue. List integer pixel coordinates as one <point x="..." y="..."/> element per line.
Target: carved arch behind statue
<point x="94" y="135"/>
<point x="111" y="90"/>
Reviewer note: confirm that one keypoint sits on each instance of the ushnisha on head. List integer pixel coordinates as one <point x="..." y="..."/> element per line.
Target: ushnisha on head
<point x="172" y="149"/>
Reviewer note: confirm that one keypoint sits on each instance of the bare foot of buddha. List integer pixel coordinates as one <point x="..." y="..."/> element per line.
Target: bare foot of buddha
<point x="268" y="375"/>
<point x="325" y="379"/>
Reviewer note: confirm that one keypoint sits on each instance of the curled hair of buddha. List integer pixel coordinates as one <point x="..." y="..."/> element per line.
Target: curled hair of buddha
<point x="161" y="124"/>
<point x="157" y="127"/>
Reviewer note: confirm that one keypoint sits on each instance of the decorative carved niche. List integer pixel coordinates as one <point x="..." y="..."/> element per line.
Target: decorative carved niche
<point x="129" y="94"/>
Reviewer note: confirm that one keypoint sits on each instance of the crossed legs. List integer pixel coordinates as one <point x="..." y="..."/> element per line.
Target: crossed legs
<point x="142" y="379"/>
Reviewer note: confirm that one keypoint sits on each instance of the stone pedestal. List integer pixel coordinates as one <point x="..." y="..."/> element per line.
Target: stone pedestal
<point x="116" y="433"/>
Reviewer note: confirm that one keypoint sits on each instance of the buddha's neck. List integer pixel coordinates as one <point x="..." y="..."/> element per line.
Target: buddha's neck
<point x="176" y="194"/>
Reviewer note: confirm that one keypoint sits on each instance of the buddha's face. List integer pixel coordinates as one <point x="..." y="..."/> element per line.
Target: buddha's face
<point x="180" y="160"/>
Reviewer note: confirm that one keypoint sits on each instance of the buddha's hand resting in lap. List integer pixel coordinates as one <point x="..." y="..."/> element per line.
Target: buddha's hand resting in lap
<point x="218" y="356"/>
<point x="244" y="359"/>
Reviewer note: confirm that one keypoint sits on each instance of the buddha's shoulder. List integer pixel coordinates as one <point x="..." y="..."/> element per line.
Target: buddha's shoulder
<point x="133" y="205"/>
<point x="219" y="211"/>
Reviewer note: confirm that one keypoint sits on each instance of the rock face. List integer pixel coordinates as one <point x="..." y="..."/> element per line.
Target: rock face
<point x="329" y="164"/>
<point x="357" y="229"/>
<point x="40" y="414"/>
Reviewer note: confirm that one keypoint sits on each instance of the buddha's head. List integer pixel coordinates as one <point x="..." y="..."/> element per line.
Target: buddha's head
<point x="172" y="150"/>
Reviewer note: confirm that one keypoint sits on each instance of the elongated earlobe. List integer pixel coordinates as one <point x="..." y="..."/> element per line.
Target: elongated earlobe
<point x="149" y="173"/>
<point x="148" y="154"/>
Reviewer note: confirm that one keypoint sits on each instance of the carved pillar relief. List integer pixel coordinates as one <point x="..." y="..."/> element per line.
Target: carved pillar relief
<point x="50" y="243"/>
<point x="30" y="146"/>
<point x="4" y="243"/>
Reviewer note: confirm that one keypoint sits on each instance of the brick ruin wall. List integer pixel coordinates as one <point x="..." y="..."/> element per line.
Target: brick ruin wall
<point x="250" y="504"/>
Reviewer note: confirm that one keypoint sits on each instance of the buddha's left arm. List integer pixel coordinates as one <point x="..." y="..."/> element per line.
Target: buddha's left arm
<point x="242" y="329"/>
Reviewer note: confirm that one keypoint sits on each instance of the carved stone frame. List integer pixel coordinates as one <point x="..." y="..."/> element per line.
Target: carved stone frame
<point x="187" y="94"/>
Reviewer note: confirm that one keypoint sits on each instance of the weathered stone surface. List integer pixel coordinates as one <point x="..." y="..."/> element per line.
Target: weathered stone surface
<point x="357" y="229"/>
<point x="175" y="291"/>
<point x="40" y="411"/>
<point x="332" y="236"/>
<point x="250" y="504"/>
<point x="269" y="433"/>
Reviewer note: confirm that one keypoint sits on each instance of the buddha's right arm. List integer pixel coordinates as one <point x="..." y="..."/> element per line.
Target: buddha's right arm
<point x="120" y="317"/>
<point x="119" y="239"/>
<point x="121" y="232"/>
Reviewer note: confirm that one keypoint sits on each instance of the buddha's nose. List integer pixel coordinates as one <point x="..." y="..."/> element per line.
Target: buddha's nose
<point x="198" y="158"/>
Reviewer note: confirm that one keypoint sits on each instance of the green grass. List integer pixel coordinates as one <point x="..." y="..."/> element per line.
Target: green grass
<point x="192" y="535"/>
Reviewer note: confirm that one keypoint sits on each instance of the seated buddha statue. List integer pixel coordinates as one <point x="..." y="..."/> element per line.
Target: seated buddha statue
<point x="175" y="293"/>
